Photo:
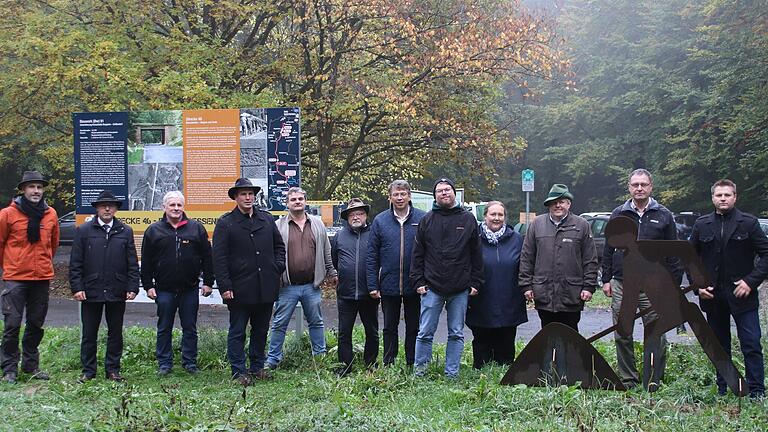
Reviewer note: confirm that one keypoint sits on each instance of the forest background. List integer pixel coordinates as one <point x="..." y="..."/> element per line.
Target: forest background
<point x="582" y="91"/>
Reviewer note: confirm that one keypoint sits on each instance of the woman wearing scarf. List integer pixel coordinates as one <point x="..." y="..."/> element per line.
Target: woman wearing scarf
<point x="494" y="314"/>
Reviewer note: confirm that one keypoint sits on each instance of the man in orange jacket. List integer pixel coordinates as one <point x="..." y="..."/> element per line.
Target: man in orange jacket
<point x="29" y="236"/>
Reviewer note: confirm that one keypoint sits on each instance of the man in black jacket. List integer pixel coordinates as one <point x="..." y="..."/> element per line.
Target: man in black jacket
<point x="654" y="222"/>
<point x="103" y="274"/>
<point x="248" y="259"/>
<point x="349" y="250"/>
<point x="174" y="252"/>
<point x="727" y="241"/>
<point x="446" y="268"/>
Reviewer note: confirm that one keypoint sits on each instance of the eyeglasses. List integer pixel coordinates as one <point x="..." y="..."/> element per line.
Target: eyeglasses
<point x="639" y="185"/>
<point x="442" y="191"/>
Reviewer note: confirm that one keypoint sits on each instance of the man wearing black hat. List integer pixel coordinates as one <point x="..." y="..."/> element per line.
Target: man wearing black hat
<point x="248" y="258"/>
<point x="29" y="236"/>
<point x="349" y="249"/>
<point x="446" y="268"/>
<point x="558" y="263"/>
<point x="103" y="274"/>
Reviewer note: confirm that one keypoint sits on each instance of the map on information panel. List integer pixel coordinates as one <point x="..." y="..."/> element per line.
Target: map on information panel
<point x="283" y="154"/>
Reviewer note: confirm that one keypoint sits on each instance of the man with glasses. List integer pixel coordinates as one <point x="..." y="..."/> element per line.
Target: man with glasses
<point x="558" y="263"/>
<point x="446" y="268"/>
<point x="654" y="222"/>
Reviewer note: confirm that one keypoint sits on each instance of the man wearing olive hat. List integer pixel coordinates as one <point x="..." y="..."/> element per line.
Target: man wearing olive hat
<point x="248" y="258"/>
<point x="558" y="264"/>
<point x="349" y="251"/>
<point x="103" y="274"/>
<point x="29" y="236"/>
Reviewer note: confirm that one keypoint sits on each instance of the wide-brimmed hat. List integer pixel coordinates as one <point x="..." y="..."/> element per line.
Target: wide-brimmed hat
<point x="355" y="204"/>
<point x="558" y="191"/>
<point x="31" y="176"/>
<point x="107" y="196"/>
<point x="242" y="183"/>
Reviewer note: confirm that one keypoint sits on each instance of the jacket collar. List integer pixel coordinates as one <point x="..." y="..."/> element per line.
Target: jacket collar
<point x="652" y="205"/>
<point x="17" y="203"/>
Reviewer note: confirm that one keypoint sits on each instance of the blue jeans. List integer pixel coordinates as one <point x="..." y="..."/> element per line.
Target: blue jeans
<point x="748" y="331"/>
<point x="187" y="303"/>
<point x="290" y="296"/>
<point x="431" y="307"/>
<point x="239" y="316"/>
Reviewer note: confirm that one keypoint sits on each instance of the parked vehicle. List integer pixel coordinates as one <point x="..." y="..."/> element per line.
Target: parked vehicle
<point x="684" y="222"/>
<point x="764" y="225"/>
<point x="67" y="229"/>
<point x="594" y="214"/>
<point x="598" y="224"/>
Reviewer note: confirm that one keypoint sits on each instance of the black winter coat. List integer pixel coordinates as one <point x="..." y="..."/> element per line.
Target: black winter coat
<point x="500" y="303"/>
<point x="248" y="256"/>
<point x="389" y="253"/>
<point x="103" y="265"/>
<point x="727" y="246"/>
<point x="446" y="254"/>
<point x="349" y="249"/>
<point x="173" y="258"/>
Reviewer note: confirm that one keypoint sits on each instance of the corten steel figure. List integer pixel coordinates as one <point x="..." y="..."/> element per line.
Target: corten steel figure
<point x="560" y="355"/>
<point x="644" y="271"/>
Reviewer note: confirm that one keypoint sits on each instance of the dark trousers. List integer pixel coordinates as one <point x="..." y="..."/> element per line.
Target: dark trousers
<point x="258" y="315"/>
<point x="17" y="296"/>
<point x="493" y="344"/>
<point x="90" y="317"/>
<point x="571" y="319"/>
<point x="368" y="309"/>
<point x="187" y="304"/>
<point x="390" y="307"/>
<point x="748" y="332"/>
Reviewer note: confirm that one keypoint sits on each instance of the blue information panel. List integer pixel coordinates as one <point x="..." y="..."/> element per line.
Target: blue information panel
<point x="100" y="157"/>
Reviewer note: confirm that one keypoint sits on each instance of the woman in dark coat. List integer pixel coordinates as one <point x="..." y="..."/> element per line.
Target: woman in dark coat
<point x="496" y="311"/>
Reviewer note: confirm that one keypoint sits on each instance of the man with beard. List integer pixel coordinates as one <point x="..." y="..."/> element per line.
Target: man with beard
<point x="29" y="236"/>
<point x="446" y="268"/>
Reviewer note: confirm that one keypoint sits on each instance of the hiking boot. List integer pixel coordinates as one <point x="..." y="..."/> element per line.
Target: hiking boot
<point x="37" y="374"/>
<point x="164" y="371"/>
<point x="243" y="379"/>
<point x="192" y="370"/>
<point x="84" y="378"/>
<point x="261" y="375"/>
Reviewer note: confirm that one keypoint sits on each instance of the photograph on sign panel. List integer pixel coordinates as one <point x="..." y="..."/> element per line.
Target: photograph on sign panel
<point x="155" y="157"/>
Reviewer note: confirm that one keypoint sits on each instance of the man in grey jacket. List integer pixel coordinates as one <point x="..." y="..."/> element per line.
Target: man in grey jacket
<point x="308" y="264"/>
<point x="558" y="264"/>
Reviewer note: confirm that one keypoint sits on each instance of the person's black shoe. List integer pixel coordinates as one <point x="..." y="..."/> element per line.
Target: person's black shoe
<point x="37" y="374"/>
<point x="243" y="379"/>
<point x="260" y="375"/>
<point x="343" y="371"/>
<point x="115" y="376"/>
<point x="9" y="378"/>
<point x="84" y="378"/>
<point x="192" y="370"/>
<point x="164" y="371"/>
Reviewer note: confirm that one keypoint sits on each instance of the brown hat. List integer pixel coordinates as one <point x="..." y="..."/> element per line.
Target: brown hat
<point x="32" y="176"/>
<point x="355" y="204"/>
<point x="242" y="183"/>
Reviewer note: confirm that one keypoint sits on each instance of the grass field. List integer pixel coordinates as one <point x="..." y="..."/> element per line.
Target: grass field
<point x="306" y="396"/>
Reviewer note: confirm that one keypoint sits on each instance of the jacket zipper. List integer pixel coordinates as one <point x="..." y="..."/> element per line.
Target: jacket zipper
<point x="402" y="250"/>
<point x="357" y="258"/>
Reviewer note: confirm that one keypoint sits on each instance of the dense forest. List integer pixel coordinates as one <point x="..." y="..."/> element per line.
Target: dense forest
<point x="582" y="91"/>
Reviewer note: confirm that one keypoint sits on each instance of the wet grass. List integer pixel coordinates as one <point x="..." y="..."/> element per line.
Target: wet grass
<point x="307" y="396"/>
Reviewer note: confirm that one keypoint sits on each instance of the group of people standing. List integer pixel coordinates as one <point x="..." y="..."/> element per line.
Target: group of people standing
<point x="405" y="260"/>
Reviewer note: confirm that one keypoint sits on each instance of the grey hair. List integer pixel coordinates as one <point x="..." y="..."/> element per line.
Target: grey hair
<point x="296" y="190"/>
<point x="493" y="203"/>
<point x="399" y="184"/>
<point x="173" y="194"/>
<point x="640" y="172"/>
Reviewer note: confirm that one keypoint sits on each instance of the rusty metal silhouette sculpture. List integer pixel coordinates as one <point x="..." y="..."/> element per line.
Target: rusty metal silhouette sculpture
<point x="559" y="355"/>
